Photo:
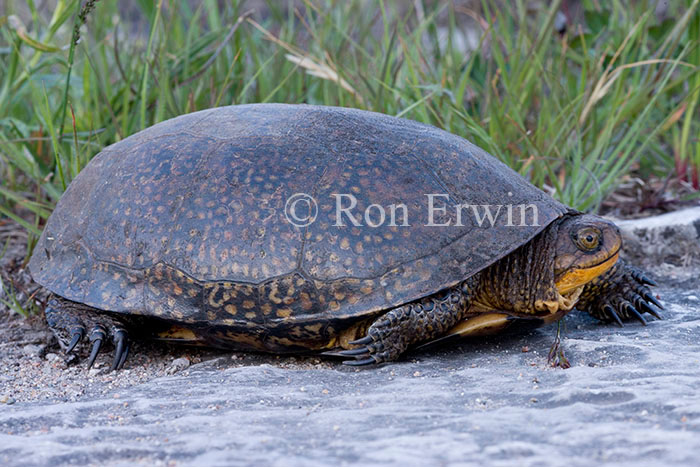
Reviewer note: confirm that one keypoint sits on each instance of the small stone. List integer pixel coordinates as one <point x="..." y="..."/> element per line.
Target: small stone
<point x="525" y="349"/>
<point x="7" y="400"/>
<point x="656" y="239"/>
<point x="178" y="364"/>
<point x="32" y="350"/>
<point x="52" y="357"/>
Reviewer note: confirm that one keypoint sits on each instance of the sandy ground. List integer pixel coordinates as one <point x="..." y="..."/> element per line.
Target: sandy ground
<point x="630" y="398"/>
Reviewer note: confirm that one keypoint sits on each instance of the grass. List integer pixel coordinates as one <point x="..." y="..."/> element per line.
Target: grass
<point x="574" y="113"/>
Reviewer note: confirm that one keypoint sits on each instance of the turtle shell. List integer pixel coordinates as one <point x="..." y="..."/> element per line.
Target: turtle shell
<point x="189" y="220"/>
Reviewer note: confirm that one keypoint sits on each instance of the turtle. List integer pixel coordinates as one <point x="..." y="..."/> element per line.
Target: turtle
<point x="289" y="228"/>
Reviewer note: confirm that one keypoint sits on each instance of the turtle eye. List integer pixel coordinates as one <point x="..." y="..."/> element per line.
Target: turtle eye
<point x="587" y="239"/>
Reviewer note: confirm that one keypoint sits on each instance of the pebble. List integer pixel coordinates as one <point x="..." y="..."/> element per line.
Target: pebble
<point x="52" y="357"/>
<point x="178" y="364"/>
<point x="33" y="350"/>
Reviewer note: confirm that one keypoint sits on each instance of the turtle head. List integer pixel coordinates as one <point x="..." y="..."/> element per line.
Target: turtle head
<point x="586" y="247"/>
<point x="546" y="275"/>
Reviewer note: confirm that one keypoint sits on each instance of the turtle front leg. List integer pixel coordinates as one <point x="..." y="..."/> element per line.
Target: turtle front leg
<point x="391" y="334"/>
<point x="71" y="322"/>
<point x="622" y="293"/>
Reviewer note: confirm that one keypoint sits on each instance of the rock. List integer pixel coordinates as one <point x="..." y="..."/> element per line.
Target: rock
<point x="672" y="238"/>
<point x="33" y="350"/>
<point x="52" y="357"/>
<point x="57" y="361"/>
<point x="177" y="365"/>
<point x="37" y="337"/>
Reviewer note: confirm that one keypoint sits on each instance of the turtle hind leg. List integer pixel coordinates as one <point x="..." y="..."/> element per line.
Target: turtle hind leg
<point x="72" y="322"/>
<point x="392" y="333"/>
<point x="620" y="294"/>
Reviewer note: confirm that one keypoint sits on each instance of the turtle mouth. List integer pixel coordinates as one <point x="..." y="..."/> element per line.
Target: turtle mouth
<point x="576" y="278"/>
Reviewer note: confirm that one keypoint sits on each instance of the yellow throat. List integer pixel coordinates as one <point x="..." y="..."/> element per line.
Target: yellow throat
<point x="579" y="277"/>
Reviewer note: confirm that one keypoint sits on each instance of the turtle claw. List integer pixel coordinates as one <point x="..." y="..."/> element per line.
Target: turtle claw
<point x="621" y="294"/>
<point x="370" y="352"/>
<point x="611" y="313"/>
<point x="651" y="309"/>
<point x="366" y="361"/>
<point x="354" y="352"/>
<point x="121" y="344"/>
<point x="71" y="321"/>
<point x="649" y="297"/>
<point x="643" y="278"/>
<point x="77" y="336"/>
<point x="364" y="341"/>
<point x="125" y="354"/>
<point x="97" y="336"/>
<point x="364" y="355"/>
<point x="632" y="311"/>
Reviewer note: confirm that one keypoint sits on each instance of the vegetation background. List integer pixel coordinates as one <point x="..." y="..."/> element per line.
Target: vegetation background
<point x="594" y="101"/>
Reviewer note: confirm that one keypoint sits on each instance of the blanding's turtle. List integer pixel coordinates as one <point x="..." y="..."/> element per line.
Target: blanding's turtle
<point x="296" y="228"/>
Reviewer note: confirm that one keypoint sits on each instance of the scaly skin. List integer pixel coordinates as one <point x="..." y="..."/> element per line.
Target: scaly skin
<point x="389" y="336"/>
